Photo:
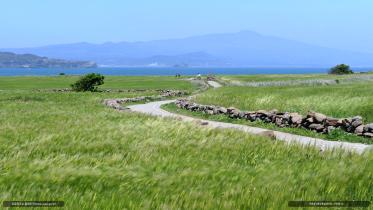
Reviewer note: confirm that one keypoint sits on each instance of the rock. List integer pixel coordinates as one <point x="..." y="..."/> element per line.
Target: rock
<point x="359" y="130"/>
<point x="330" y="121"/>
<point x="295" y="118"/>
<point x="319" y="117"/>
<point x="369" y="135"/>
<point x="230" y="109"/>
<point x="278" y="121"/>
<point x="210" y="112"/>
<point x="357" y="118"/>
<point x="317" y="127"/>
<point x="346" y="121"/>
<point x="234" y="113"/>
<point x="241" y="115"/>
<point x="368" y="128"/>
<point x="329" y="129"/>
<point x="222" y="110"/>
<point x="356" y="123"/>
<point x="310" y="120"/>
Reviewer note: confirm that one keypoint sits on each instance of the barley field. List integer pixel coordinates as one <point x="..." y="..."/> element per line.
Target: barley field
<point x="68" y="146"/>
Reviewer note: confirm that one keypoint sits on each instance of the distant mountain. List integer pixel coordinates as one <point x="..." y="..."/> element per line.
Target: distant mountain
<point x="11" y="60"/>
<point x="245" y="48"/>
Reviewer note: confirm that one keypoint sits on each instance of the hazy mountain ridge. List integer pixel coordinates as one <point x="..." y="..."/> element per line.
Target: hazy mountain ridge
<point x="245" y="48"/>
<point x="12" y="60"/>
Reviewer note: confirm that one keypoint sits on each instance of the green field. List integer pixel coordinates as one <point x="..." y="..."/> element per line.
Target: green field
<point x="111" y="82"/>
<point x="343" y="100"/>
<point x="68" y="146"/>
<point x="288" y="77"/>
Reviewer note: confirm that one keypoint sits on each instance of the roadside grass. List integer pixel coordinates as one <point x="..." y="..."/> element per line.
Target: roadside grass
<point x="336" y="135"/>
<point x="111" y="82"/>
<point x="343" y="100"/>
<point x="68" y="146"/>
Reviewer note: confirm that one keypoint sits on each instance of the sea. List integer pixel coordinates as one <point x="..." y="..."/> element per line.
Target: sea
<point x="163" y="71"/>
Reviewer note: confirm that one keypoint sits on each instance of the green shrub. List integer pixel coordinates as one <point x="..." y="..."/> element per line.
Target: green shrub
<point x="61" y="74"/>
<point x="88" y="82"/>
<point x="341" y="69"/>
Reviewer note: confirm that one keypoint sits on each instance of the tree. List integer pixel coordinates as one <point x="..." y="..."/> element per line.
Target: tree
<point x="88" y="82"/>
<point x="341" y="69"/>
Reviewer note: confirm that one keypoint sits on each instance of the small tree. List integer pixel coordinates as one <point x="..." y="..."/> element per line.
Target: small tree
<point x="341" y="69"/>
<point x="88" y="82"/>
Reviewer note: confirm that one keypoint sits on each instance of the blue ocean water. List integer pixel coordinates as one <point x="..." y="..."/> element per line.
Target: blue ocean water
<point x="144" y="71"/>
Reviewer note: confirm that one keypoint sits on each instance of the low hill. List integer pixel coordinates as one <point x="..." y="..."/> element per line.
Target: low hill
<point x="12" y="60"/>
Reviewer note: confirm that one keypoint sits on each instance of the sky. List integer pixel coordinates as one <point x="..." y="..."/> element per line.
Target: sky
<point x="343" y="24"/>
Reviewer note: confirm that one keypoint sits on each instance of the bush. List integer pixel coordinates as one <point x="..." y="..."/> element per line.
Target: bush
<point x="61" y="74"/>
<point x="341" y="69"/>
<point x="88" y="82"/>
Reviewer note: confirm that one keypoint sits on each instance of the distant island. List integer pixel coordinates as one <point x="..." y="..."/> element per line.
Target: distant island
<point x="12" y="60"/>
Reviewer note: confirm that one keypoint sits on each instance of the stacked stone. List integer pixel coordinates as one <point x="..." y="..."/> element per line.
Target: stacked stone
<point x="169" y="93"/>
<point x="313" y="121"/>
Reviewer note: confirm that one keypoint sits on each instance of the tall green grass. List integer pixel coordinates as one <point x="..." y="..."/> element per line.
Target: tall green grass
<point x="70" y="147"/>
<point x="111" y="82"/>
<point x="287" y="77"/>
<point x="343" y="100"/>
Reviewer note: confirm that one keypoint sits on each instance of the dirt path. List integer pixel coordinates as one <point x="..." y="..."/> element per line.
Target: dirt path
<point x="214" y="84"/>
<point x="154" y="108"/>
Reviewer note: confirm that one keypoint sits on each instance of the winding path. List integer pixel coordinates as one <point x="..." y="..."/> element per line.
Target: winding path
<point x="214" y="84"/>
<point x="154" y="108"/>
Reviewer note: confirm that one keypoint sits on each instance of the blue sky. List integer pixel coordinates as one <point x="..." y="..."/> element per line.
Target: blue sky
<point x="345" y="24"/>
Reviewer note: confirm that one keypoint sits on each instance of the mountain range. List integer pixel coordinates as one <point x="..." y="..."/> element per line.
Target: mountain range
<point x="242" y="49"/>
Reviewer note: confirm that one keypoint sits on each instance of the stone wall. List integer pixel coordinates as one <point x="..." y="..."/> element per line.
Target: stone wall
<point x="313" y="121"/>
<point x="116" y="103"/>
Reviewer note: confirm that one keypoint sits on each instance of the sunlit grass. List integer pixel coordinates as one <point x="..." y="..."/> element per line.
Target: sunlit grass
<point x="111" y="82"/>
<point x="343" y="100"/>
<point x="70" y="147"/>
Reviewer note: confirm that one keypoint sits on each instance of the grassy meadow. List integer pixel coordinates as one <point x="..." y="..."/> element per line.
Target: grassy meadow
<point x="68" y="146"/>
<point x="111" y="82"/>
<point x="288" y="77"/>
<point x="342" y="100"/>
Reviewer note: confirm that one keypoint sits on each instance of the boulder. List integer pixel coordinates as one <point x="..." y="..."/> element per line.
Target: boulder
<point x="369" y="135"/>
<point x="295" y="118"/>
<point x="319" y="117"/>
<point x="317" y="127"/>
<point x="310" y="120"/>
<point x="222" y="110"/>
<point x="210" y="112"/>
<point x="234" y="113"/>
<point x="368" y="128"/>
<point x="330" y="121"/>
<point x="359" y="130"/>
<point x="230" y="109"/>
<point x="241" y="115"/>
<point x="356" y="123"/>
<point x="278" y="121"/>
